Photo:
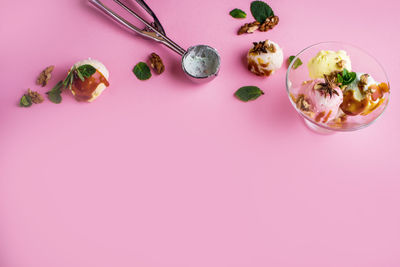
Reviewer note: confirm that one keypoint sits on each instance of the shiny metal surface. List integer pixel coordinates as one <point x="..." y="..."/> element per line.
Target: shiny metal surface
<point x="156" y="32"/>
<point x="214" y="59"/>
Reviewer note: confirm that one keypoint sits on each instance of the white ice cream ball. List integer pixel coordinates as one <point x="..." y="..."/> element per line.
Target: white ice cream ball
<point x="363" y="97"/>
<point x="266" y="61"/>
<point x="359" y="94"/>
<point x="100" y="68"/>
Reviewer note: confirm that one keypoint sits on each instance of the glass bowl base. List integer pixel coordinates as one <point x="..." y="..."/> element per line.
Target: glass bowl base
<point x="317" y="129"/>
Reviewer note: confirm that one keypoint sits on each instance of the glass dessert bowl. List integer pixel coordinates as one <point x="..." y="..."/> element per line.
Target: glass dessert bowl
<point x="339" y="87"/>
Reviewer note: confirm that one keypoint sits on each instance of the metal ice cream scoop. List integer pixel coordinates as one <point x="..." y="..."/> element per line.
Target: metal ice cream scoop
<point x="201" y="63"/>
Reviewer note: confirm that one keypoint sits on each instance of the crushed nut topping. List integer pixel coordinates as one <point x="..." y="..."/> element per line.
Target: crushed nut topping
<point x="327" y="87"/>
<point x="269" y="23"/>
<point x="35" y="96"/>
<point x="249" y="27"/>
<point x="271" y="48"/>
<point x="333" y="77"/>
<point x="263" y="46"/>
<point x="156" y="63"/>
<point x="302" y="103"/>
<point x="44" y="76"/>
<point x="340" y="64"/>
<point x="363" y="81"/>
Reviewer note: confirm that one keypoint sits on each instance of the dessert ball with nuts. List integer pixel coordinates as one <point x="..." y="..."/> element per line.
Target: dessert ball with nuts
<point x="90" y="79"/>
<point x="264" y="58"/>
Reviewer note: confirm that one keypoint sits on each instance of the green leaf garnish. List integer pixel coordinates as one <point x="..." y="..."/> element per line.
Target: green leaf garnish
<point x="296" y="64"/>
<point x="142" y="71"/>
<point x="54" y="94"/>
<point x="69" y="80"/>
<point x="80" y="75"/>
<point x="54" y="97"/>
<point x="82" y="72"/>
<point x="238" y="13"/>
<point x="340" y="78"/>
<point x="248" y="93"/>
<point x="351" y="77"/>
<point x="86" y="70"/>
<point x="261" y="11"/>
<point x="25" y="101"/>
<point x="346" y="77"/>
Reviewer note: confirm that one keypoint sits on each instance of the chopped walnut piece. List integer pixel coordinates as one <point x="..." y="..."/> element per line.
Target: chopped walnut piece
<point x="302" y="103"/>
<point x="364" y="79"/>
<point x="249" y="27"/>
<point x="333" y="77"/>
<point x="363" y="82"/>
<point x="44" y="76"/>
<point x="340" y="64"/>
<point x="269" y="23"/>
<point x="270" y="47"/>
<point x="35" y="96"/>
<point x="263" y="46"/>
<point x="156" y="63"/>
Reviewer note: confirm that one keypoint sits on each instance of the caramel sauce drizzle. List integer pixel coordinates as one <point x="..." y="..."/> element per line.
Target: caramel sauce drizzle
<point x="327" y="116"/>
<point x="254" y="67"/>
<point x="319" y="116"/>
<point x="353" y="107"/>
<point x="83" y="90"/>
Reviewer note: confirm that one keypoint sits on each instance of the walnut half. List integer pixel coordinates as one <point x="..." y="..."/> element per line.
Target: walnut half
<point x="302" y="103"/>
<point x="363" y="82"/>
<point x="269" y="23"/>
<point x="35" y="96"/>
<point x="44" y="76"/>
<point x="263" y="46"/>
<point x="249" y="27"/>
<point x="156" y="63"/>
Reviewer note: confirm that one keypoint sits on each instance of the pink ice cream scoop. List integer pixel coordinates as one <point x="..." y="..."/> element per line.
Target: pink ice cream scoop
<point x="323" y="97"/>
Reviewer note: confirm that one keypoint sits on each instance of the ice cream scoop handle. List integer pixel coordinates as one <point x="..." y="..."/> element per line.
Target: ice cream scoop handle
<point x="154" y="34"/>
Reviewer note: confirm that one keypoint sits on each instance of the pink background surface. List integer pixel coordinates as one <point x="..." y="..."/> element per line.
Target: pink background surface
<point x="168" y="173"/>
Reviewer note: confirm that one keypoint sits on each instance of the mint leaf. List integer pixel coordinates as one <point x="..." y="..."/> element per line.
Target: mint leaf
<point x="25" y="101"/>
<point x="261" y="11"/>
<point x="54" y="97"/>
<point x="345" y="73"/>
<point x="348" y="77"/>
<point x="86" y="70"/>
<point x="142" y="71"/>
<point x="54" y="94"/>
<point x="248" y="93"/>
<point x="238" y="13"/>
<point x="296" y="64"/>
<point x="340" y="78"/>
<point x="353" y="76"/>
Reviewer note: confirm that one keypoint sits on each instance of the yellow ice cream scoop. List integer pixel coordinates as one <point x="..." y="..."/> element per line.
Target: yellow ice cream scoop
<point x="327" y="61"/>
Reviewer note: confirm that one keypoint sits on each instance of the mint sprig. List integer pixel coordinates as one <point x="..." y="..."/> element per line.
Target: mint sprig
<point x="82" y="72"/>
<point x="86" y="70"/>
<point x="261" y="11"/>
<point x="248" y="93"/>
<point x="142" y="71"/>
<point x="238" y="13"/>
<point x="346" y="77"/>
<point x="54" y="94"/>
<point x="296" y="64"/>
